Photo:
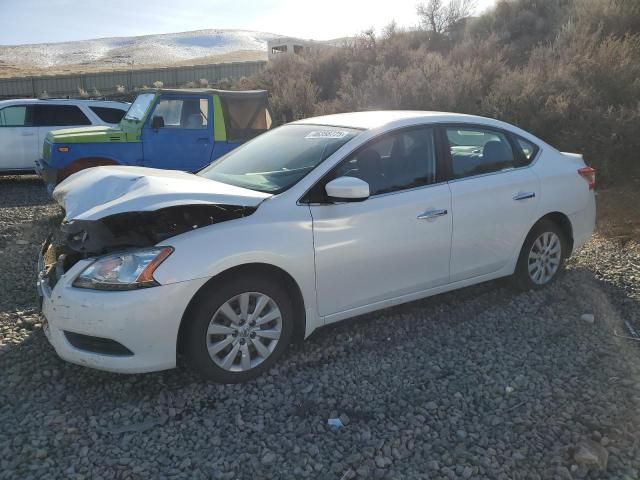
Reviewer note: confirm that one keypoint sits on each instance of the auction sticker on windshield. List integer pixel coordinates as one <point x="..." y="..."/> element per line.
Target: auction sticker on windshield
<point x="327" y="134"/>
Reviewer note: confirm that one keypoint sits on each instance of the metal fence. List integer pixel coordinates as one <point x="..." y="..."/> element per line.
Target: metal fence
<point x="106" y="83"/>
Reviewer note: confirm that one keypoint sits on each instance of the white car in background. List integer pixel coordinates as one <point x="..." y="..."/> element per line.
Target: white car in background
<point x="24" y="124"/>
<point x="308" y="224"/>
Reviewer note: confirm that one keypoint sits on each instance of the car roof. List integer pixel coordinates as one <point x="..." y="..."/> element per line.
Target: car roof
<point x="55" y="101"/>
<point x="381" y="118"/>
<point x="391" y="119"/>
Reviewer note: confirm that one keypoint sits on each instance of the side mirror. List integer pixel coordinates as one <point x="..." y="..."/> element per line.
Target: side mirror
<point x="157" y="122"/>
<point x="347" y="189"/>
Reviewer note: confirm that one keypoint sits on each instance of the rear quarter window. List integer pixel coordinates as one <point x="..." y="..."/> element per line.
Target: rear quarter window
<point x="527" y="149"/>
<point x="108" y="115"/>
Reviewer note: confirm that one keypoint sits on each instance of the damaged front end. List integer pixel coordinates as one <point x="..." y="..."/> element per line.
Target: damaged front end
<point x="144" y="229"/>
<point x="80" y="239"/>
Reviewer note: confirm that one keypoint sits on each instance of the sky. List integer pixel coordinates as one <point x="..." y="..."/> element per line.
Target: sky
<point x="48" y="21"/>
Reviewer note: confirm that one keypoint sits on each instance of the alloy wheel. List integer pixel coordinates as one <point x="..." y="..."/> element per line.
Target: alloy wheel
<point x="244" y="331"/>
<point x="544" y="258"/>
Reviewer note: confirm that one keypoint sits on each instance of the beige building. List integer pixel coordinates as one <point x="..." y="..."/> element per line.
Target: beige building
<point x="289" y="45"/>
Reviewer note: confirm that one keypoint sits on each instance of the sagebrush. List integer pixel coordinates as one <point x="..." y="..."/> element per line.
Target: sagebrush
<point x="566" y="70"/>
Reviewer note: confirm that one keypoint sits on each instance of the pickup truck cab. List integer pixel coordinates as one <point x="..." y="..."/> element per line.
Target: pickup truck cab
<point x="173" y="129"/>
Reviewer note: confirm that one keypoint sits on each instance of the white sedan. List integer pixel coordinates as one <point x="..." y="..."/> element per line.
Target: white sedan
<point x="308" y="224"/>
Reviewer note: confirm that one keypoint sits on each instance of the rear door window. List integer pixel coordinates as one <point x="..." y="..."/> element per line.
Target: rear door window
<point x="59" y="116"/>
<point x="108" y="115"/>
<point x="16" y="116"/>
<point x="475" y="151"/>
<point x="527" y="149"/>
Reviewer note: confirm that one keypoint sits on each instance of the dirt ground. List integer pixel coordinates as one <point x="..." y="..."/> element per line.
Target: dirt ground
<point x="619" y="213"/>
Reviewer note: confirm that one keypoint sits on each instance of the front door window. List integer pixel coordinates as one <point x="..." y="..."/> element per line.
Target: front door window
<point x="192" y="113"/>
<point x="15" y="116"/>
<point x="398" y="161"/>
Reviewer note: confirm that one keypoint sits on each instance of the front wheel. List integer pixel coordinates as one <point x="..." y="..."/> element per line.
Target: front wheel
<point x="239" y="329"/>
<point x="542" y="256"/>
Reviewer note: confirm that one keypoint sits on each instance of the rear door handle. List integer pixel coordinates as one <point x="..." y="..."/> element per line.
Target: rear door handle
<point x="524" y="195"/>
<point x="432" y="214"/>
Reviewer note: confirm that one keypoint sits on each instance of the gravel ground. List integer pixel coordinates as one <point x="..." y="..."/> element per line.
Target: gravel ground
<point x="479" y="383"/>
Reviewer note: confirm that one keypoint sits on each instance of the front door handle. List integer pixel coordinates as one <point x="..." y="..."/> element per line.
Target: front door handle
<point x="27" y="134"/>
<point x="524" y="195"/>
<point x="432" y="214"/>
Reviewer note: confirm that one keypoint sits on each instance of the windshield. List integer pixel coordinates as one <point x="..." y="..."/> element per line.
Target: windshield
<point x="278" y="159"/>
<point x="138" y="108"/>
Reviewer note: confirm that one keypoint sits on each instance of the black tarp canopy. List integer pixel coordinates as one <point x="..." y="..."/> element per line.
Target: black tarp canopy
<point x="246" y="113"/>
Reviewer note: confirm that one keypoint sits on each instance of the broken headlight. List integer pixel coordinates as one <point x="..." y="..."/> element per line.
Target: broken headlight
<point x="123" y="271"/>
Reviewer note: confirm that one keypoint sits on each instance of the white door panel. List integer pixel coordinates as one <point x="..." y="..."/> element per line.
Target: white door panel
<point x="491" y="215"/>
<point x="379" y="249"/>
<point x="19" y="146"/>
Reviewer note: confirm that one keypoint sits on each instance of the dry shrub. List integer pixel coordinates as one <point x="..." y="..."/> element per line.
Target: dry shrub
<point x="566" y="70"/>
<point x="293" y="94"/>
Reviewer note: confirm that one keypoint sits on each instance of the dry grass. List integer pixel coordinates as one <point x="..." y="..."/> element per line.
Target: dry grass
<point x="8" y="70"/>
<point x="619" y="213"/>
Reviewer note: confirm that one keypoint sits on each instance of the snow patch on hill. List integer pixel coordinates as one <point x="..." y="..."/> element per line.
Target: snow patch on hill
<point x="144" y="50"/>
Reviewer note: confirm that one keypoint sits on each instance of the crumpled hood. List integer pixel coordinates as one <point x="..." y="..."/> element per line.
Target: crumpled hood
<point x="99" y="192"/>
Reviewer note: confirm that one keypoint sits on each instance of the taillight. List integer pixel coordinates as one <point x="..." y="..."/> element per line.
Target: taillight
<point x="589" y="175"/>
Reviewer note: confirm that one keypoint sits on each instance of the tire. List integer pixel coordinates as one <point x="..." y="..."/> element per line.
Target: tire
<point x="545" y="237"/>
<point x="221" y="322"/>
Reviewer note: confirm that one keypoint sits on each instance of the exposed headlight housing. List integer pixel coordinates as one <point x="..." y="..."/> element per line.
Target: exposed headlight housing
<point x="124" y="271"/>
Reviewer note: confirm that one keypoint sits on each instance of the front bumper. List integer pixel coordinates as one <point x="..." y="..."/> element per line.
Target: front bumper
<point x="145" y="321"/>
<point x="48" y="174"/>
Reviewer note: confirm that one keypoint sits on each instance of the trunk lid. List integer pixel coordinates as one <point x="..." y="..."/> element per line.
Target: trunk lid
<point x="576" y="158"/>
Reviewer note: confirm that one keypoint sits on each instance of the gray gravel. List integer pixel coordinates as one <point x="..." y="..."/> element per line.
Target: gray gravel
<point x="479" y="383"/>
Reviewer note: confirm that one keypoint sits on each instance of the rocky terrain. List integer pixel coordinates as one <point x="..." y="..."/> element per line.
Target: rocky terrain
<point x="482" y="383"/>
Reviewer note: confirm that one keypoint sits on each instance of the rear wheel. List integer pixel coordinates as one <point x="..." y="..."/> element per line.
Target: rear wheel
<point x="239" y="329"/>
<point x="542" y="256"/>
